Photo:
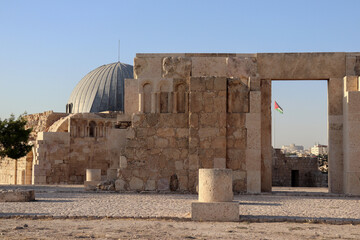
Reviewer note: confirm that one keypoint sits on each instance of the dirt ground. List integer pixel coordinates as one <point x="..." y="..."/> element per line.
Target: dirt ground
<point x="161" y="229"/>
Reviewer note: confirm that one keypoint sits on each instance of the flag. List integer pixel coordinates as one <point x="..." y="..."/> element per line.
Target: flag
<point x="278" y="108"/>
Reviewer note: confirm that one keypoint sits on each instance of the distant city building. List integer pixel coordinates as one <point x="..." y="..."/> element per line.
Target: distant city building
<point x="292" y="148"/>
<point x="319" y="149"/>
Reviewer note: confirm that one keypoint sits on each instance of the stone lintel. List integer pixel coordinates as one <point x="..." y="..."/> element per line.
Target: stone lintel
<point x="314" y="66"/>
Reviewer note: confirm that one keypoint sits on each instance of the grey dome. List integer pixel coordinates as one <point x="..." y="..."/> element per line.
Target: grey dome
<point x="100" y="90"/>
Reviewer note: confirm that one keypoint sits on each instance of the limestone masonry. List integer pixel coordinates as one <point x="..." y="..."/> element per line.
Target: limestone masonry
<point x="183" y="112"/>
<point x="297" y="171"/>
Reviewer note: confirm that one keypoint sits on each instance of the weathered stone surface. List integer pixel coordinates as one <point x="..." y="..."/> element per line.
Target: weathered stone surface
<point x="165" y="132"/>
<point x="123" y="162"/>
<point x="182" y="132"/>
<point x="209" y="66"/>
<point x="179" y="165"/>
<point x="163" y="184"/>
<point x="239" y="186"/>
<point x="208" y="132"/>
<point x="241" y="67"/>
<point x="176" y="67"/>
<point x="266" y="146"/>
<point x="352" y="183"/>
<point x="131" y="100"/>
<point x="253" y="181"/>
<point x="238" y="96"/>
<point x="150" y="185"/>
<point x="357" y="66"/>
<point x="147" y="67"/>
<point x="301" y="65"/>
<point x="119" y="185"/>
<point x="136" y="183"/>
<point x="220" y="84"/>
<point x="219" y="163"/>
<point x="215" y="185"/>
<point x="93" y="174"/>
<point x="193" y="162"/>
<point x="352" y="64"/>
<point x="255" y="101"/>
<point x="183" y="182"/>
<point x="17" y="195"/>
<point x="111" y="174"/>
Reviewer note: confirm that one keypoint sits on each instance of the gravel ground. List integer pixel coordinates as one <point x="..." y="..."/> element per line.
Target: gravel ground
<point x="130" y="205"/>
<point x="161" y="229"/>
<point x="68" y="212"/>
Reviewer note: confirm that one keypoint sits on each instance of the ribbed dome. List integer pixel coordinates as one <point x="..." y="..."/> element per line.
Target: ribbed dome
<point x="101" y="90"/>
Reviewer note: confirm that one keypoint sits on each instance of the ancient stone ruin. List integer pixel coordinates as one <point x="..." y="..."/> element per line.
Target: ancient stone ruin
<point x="289" y="171"/>
<point x="183" y="112"/>
<point x="215" y="197"/>
<point x="17" y="195"/>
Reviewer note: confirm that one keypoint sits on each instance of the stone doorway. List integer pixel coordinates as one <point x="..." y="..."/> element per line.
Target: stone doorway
<point x="338" y="69"/>
<point x="302" y="124"/>
<point x="295" y="178"/>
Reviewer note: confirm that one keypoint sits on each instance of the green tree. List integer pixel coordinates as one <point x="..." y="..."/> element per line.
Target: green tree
<point x="14" y="139"/>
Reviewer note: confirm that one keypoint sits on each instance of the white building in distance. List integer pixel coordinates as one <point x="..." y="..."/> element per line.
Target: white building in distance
<point x="319" y="149"/>
<point x="292" y="148"/>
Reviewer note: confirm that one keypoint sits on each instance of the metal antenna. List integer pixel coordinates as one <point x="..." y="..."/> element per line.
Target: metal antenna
<point x="119" y="52"/>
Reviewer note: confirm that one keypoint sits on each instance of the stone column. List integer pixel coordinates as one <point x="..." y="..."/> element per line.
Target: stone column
<point x="175" y="102"/>
<point x="266" y="149"/>
<point x="351" y="133"/>
<point x="93" y="174"/>
<point x="335" y="134"/>
<point x="215" y="185"/>
<point x="141" y="100"/>
<point x="186" y="102"/>
<point x="253" y="146"/>
<point x="170" y="102"/>
<point x="153" y="102"/>
<point x="215" y="197"/>
<point x="93" y="178"/>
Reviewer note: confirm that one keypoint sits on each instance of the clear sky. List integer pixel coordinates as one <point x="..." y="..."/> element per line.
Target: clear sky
<point x="46" y="47"/>
<point x="304" y="121"/>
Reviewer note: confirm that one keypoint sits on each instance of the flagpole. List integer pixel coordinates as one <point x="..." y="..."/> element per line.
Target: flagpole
<point x="274" y="126"/>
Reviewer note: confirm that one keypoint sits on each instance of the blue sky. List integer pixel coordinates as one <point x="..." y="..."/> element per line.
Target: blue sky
<point x="304" y="121"/>
<point x="46" y="47"/>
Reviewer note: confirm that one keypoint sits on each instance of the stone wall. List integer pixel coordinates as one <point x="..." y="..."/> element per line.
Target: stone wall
<point x="308" y="170"/>
<point x="7" y="171"/>
<point x="39" y="122"/>
<point x="156" y="154"/>
<point x="23" y="170"/>
<point x="207" y="119"/>
<point x="93" y="141"/>
<point x="220" y="95"/>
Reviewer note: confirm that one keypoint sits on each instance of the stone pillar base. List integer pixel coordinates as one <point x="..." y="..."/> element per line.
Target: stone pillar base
<point x="17" y="196"/>
<point x="215" y="211"/>
<point x="91" y="185"/>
